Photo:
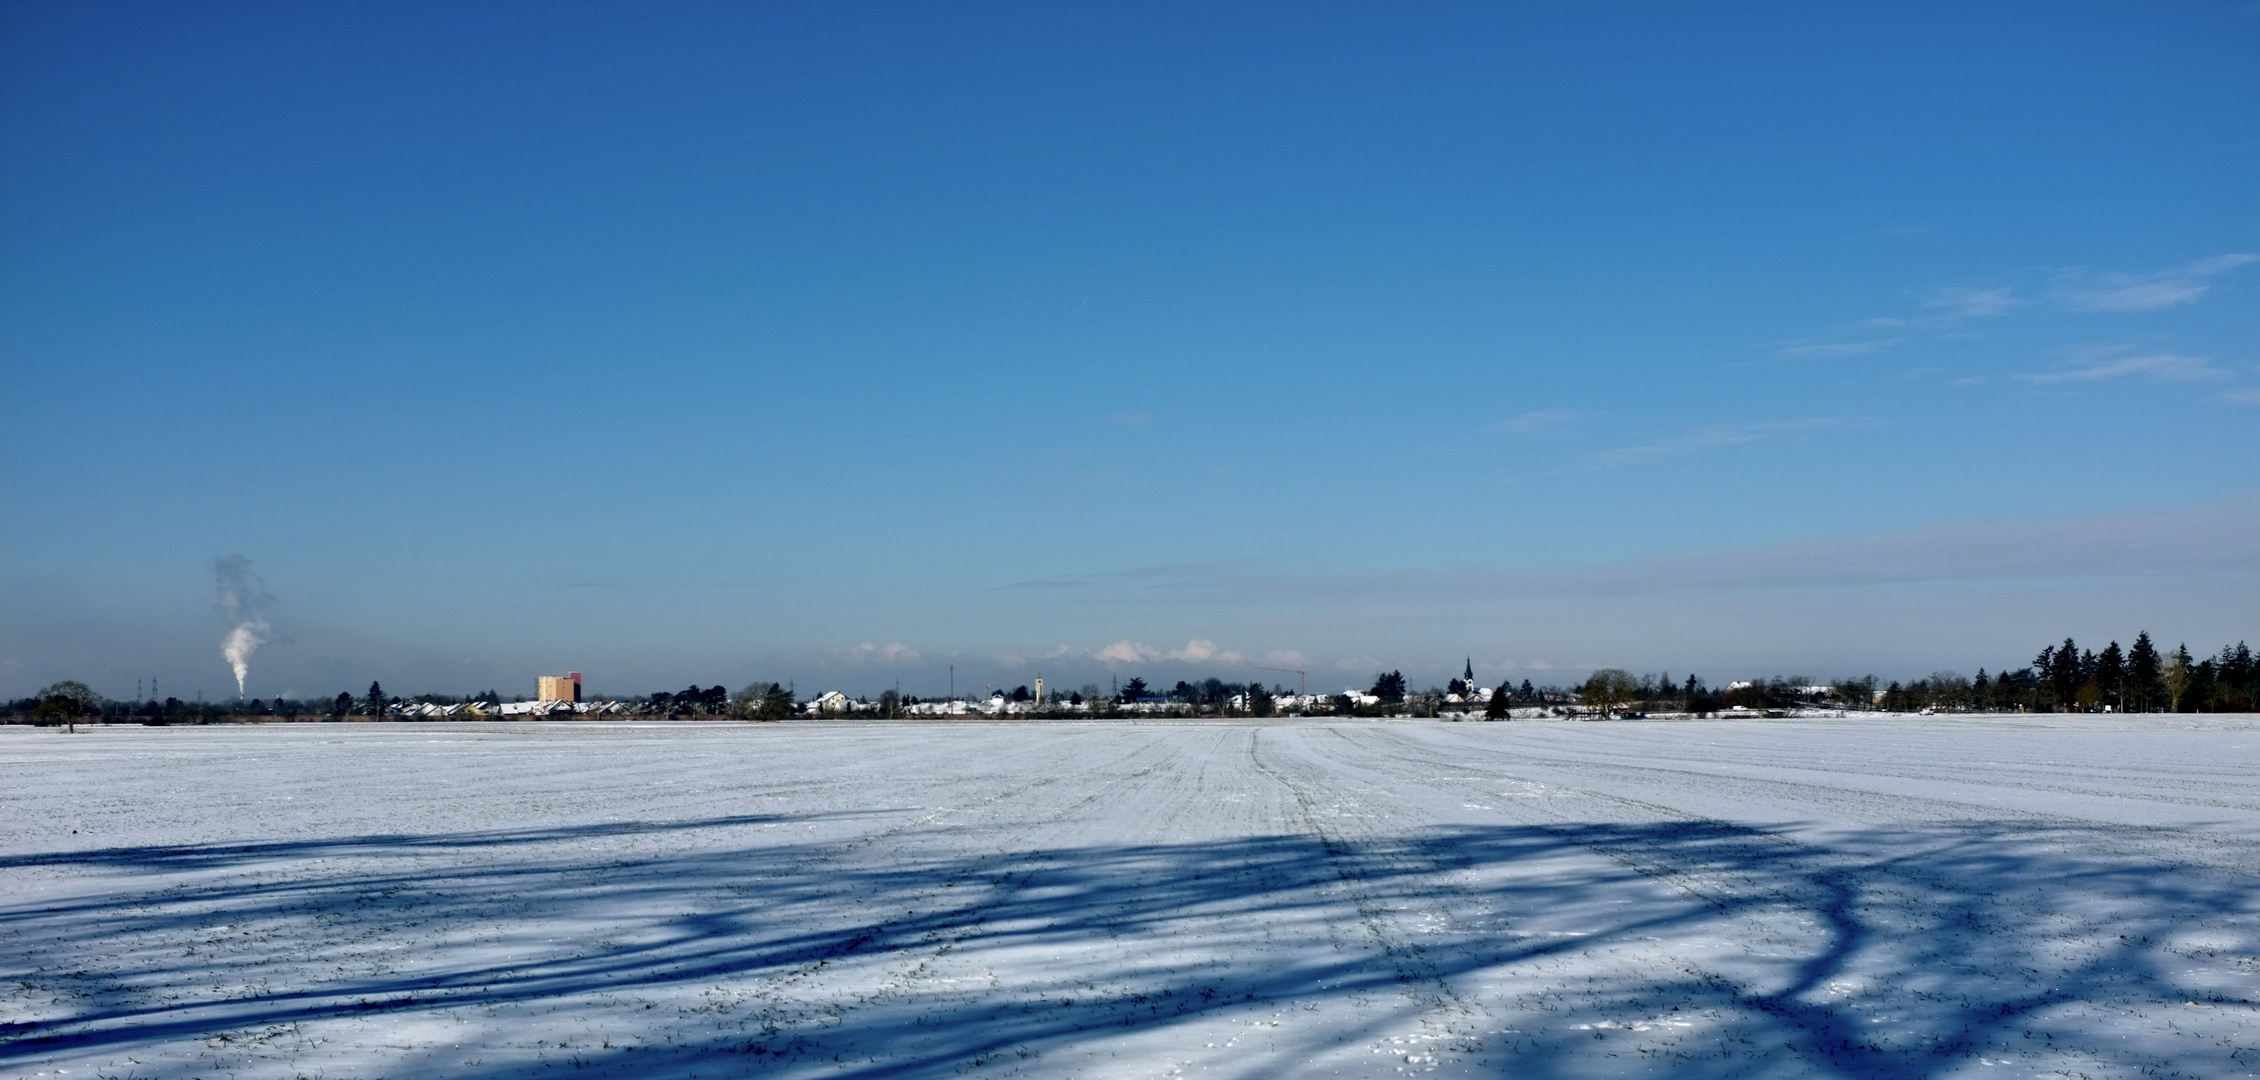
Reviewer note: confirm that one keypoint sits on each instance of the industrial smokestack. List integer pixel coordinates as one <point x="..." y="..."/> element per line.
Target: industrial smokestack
<point x="244" y="599"/>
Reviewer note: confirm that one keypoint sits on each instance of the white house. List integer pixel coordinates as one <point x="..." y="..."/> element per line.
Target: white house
<point x="941" y="708"/>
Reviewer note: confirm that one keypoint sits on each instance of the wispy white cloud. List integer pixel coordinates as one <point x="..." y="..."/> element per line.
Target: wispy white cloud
<point x="2140" y="296"/>
<point x="1287" y="658"/>
<point x="1835" y="349"/>
<point x="2146" y="292"/>
<point x="1970" y="302"/>
<point x="1544" y="421"/>
<point x="2221" y="264"/>
<point x="2242" y="395"/>
<point x="1946" y="307"/>
<point x="1714" y="437"/>
<point x="1694" y="442"/>
<point x="2157" y="367"/>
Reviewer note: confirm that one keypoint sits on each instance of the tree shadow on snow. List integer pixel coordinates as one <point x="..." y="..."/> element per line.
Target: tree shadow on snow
<point x="1591" y="936"/>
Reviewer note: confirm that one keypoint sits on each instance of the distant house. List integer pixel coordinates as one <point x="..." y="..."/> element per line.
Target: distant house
<point x="429" y="711"/>
<point x="832" y="701"/>
<point x="538" y="709"/>
<point x="941" y="708"/>
<point x="535" y="708"/>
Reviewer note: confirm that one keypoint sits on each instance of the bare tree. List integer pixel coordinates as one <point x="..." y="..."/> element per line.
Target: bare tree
<point x="66" y="701"/>
<point x="2176" y="677"/>
<point x="761" y="701"/>
<point x="1610" y="687"/>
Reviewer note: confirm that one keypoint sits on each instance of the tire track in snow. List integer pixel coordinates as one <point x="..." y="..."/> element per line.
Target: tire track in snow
<point x="1352" y="851"/>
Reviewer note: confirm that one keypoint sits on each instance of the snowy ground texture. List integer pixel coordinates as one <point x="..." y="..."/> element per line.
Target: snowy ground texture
<point x="1976" y="897"/>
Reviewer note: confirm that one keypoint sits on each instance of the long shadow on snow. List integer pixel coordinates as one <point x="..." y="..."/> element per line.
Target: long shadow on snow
<point x="1948" y="909"/>
<point x="165" y="857"/>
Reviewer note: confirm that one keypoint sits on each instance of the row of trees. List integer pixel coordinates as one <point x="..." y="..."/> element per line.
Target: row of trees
<point x="2063" y="678"/>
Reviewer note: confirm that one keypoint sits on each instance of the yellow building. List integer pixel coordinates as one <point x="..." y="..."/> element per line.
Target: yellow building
<point x="566" y="687"/>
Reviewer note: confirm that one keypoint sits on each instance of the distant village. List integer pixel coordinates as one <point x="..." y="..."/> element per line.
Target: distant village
<point x="560" y="697"/>
<point x="2062" y="678"/>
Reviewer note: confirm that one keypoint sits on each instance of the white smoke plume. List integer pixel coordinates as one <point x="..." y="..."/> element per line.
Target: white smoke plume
<point x="244" y="599"/>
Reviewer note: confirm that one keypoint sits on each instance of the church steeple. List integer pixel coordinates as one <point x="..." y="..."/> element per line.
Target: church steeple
<point x="1469" y="678"/>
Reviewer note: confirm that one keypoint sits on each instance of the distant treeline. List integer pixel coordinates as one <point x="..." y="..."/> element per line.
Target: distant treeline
<point x="2063" y="678"/>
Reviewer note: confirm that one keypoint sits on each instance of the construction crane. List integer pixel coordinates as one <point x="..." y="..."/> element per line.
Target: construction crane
<point x="1302" y="680"/>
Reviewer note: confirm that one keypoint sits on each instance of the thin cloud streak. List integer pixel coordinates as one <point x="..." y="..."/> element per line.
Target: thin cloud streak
<point x="1544" y="421"/>
<point x="1713" y="437"/>
<point x="2210" y="543"/>
<point x="2158" y="367"/>
<point x="2149" y="296"/>
<point x="1973" y="302"/>
<point x="1836" y="350"/>
<point x="2147" y="292"/>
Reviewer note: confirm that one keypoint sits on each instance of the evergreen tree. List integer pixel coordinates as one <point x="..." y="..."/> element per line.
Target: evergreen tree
<point x="2044" y="663"/>
<point x="2204" y="685"/>
<point x="2240" y="683"/>
<point x="2143" y="671"/>
<point x="1496" y="708"/>
<point x="1259" y="700"/>
<point x="377" y="701"/>
<point x="2111" y="674"/>
<point x="1389" y="686"/>
<point x="2064" y="675"/>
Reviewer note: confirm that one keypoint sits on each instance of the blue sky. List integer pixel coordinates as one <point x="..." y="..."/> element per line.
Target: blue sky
<point x="839" y="343"/>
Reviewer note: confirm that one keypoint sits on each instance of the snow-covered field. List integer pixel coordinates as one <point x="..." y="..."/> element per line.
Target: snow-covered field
<point x="1947" y="896"/>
